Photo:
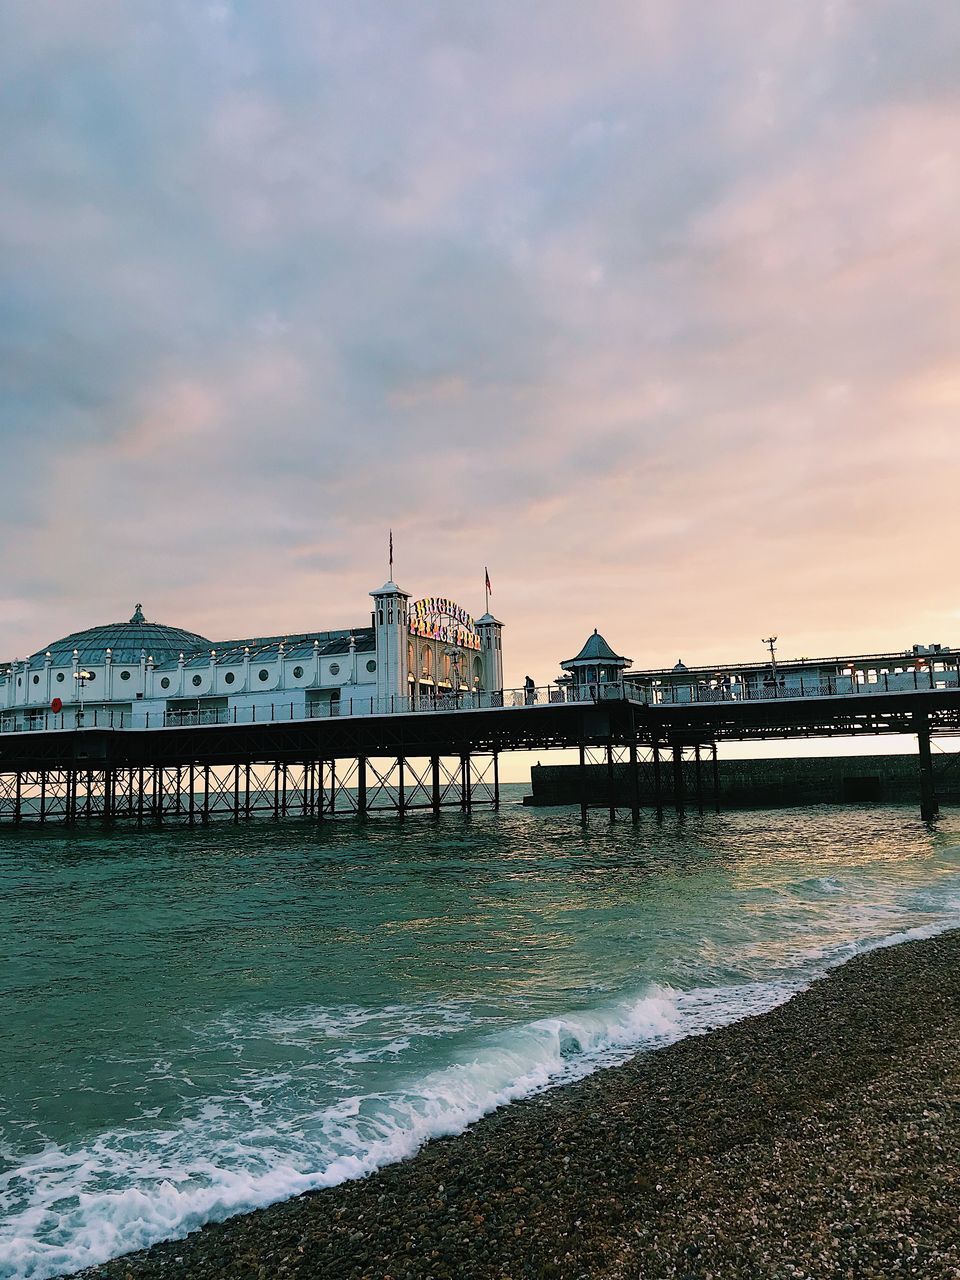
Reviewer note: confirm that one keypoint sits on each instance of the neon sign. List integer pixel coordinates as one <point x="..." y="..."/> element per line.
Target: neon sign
<point x="436" y="618"/>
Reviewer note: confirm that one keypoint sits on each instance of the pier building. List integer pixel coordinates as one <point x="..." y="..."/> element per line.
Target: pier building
<point x="425" y="652"/>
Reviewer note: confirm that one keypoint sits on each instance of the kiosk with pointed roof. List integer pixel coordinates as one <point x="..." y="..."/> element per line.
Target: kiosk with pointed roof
<point x="595" y="664"/>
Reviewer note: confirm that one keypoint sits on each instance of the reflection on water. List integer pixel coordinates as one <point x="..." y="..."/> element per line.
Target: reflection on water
<point x="198" y="1021"/>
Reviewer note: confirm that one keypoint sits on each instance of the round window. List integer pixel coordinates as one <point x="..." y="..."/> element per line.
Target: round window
<point x="229" y="677"/>
<point x="19" y="681"/>
<point x="263" y="673"/>
<point x="60" y="677"/>
<point x="297" y="673"/>
<point x="334" y="668"/>
<point x="198" y="679"/>
<point x="36" y="679"/>
<point x="165" y="682"/>
<point x="91" y="677"/>
<point x="371" y="665"/>
<point x="124" y="675"/>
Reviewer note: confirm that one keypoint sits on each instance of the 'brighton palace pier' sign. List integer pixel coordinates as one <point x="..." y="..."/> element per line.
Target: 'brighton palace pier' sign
<point x="439" y="619"/>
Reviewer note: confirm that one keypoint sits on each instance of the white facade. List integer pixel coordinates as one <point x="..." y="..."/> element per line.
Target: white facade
<point x="141" y="673"/>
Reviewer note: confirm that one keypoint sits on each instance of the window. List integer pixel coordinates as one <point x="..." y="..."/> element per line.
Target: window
<point x="165" y="682"/>
<point x="36" y="679"/>
<point x="198" y="679"/>
<point x="263" y="674"/>
<point x="298" y="673"/>
<point x="60" y="677"/>
<point x="229" y="677"/>
<point x="371" y="665"/>
<point x="124" y="675"/>
<point x="334" y="668"/>
<point x="91" y="677"/>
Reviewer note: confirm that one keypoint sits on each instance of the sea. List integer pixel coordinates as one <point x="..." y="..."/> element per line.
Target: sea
<point x="194" y="1023"/>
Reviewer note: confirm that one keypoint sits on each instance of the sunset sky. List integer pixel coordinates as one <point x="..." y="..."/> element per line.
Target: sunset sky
<point x="652" y="307"/>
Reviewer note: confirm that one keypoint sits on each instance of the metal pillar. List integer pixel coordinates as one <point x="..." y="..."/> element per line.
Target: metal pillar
<point x="401" y="797"/>
<point x="716" y="779"/>
<point x="929" y="809"/>
<point x="611" y="798"/>
<point x="465" y="782"/>
<point x="634" y="784"/>
<point x="496" y="780"/>
<point x="699" y="770"/>
<point x="657" y="781"/>
<point x="583" y="785"/>
<point x="362" y="786"/>
<point x="435" y="784"/>
<point x="678" y="789"/>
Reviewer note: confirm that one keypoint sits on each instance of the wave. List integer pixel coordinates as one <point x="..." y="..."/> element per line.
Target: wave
<point x="131" y="1188"/>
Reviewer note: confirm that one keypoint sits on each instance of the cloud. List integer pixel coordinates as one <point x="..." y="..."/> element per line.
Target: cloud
<point x="651" y="308"/>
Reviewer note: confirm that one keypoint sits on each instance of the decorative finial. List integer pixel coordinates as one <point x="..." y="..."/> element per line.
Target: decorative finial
<point x="137" y="615"/>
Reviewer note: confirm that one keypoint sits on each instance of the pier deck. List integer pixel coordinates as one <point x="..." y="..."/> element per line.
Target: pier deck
<point x="429" y="758"/>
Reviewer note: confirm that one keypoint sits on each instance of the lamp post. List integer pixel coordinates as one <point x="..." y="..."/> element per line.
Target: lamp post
<point x="81" y="677"/>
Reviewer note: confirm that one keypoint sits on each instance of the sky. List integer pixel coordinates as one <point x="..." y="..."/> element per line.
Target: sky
<point x="652" y="307"/>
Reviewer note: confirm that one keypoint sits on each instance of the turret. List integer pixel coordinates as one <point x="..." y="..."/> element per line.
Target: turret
<point x="390" y="623"/>
<point x="490" y="630"/>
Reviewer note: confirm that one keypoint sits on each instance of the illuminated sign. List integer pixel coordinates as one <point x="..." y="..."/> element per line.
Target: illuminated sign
<point x="437" y="618"/>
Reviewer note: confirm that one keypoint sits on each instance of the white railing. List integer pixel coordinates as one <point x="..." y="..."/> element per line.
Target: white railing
<point x="14" y="721"/>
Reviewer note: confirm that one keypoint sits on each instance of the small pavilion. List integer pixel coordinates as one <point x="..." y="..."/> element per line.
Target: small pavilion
<point x="595" y="664"/>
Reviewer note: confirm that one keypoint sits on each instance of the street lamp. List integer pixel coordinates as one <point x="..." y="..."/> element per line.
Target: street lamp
<point x="81" y="678"/>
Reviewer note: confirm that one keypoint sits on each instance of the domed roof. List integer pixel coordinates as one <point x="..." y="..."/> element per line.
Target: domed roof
<point x="126" y="640"/>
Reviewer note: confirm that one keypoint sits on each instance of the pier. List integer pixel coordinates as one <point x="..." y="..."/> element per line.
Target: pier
<point x="433" y="756"/>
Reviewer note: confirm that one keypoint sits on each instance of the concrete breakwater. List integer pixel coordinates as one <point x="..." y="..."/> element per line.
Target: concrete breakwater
<point x="887" y="779"/>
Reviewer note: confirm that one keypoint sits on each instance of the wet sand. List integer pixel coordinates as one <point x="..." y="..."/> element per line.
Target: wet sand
<point x="819" y="1140"/>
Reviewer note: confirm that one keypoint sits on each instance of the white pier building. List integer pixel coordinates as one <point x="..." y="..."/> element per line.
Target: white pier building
<point x="410" y="655"/>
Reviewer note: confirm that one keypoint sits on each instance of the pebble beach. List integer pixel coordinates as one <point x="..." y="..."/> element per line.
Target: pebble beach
<point x="819" y="1140"/>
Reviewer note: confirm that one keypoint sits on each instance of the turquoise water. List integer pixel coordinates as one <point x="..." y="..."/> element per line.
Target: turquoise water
<point x="195" y="1023"/>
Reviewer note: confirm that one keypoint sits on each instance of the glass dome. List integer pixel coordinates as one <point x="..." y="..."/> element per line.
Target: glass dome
<point x="126" y="640"/>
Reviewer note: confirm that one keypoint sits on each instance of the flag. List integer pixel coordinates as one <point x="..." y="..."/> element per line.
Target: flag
<point x="486" y="580"/>
<point x="391" y="555"/>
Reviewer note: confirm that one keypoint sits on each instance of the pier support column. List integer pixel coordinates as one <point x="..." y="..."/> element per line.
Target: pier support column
<point x="657" y="781"/>
<point x="362" y="786"/>
<point x="435" y="785"/>
<point x="611" y="798"/>
<point x="401" y="796"/>
<point x="634" y="784"/>
<point x="929" y="809"/>
<point x="496" y="780"/>
<point x="699" y="766"/>
<point x="466" y="799"/>
<point x="583" y="785"/>
<point x="716" y="779"/>
<point x="678" y="788"/>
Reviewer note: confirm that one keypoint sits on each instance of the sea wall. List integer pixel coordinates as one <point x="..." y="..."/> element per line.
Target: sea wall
<point x="890" y="779"/>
